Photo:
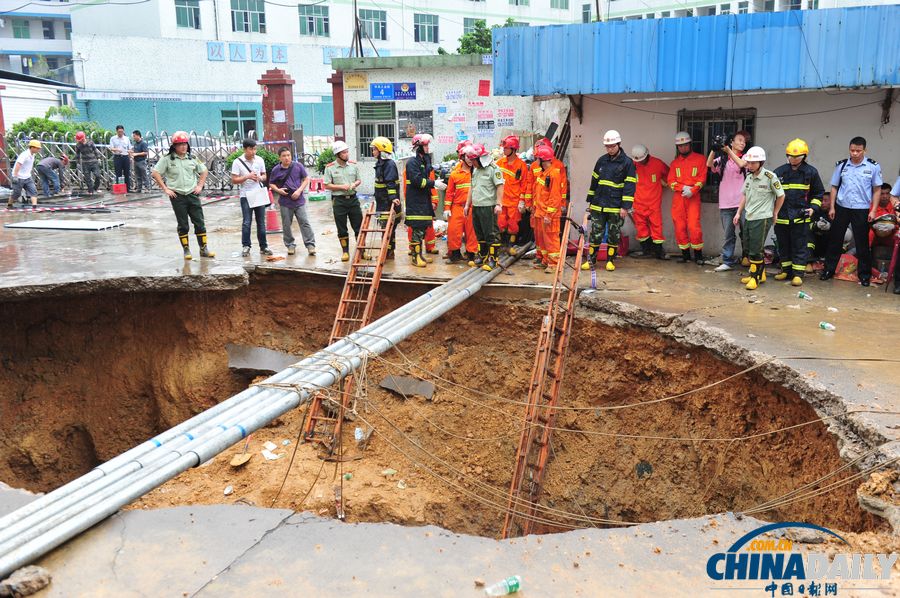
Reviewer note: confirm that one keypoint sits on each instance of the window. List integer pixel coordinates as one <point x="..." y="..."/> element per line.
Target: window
<point x="374" y="119"/>
<point x="633" y="18"/>
<point x="769" y="6"/>
<point x="49" y="32"/>
<point x="519" y="23"/>
<point x="519" y="2"/>
<point x="313" y="19"/>
<point x="469" y="24"/>
<point x="650" y="15"/>
<point x="239" y="122"/>
<point x="707" y="11"/>
<point x="425" y="28"/>
<point x="373" y="23"/>
<point x="248" y="16"/>
<point x="743" y="8"/>
<point x="52" y="65"/>
<point x="67" y="27"/>
<point x="665" y="14"/>
<point x="187" y="13"/>
<point x="21" y="29"/>
<point x="793" y="5"/>
<point x="813" y="4"/>
<point x="724" y="9"/>
<point x="561" y="4"/>
<point x="704" y="125"/>
<point x="585" y="13"/>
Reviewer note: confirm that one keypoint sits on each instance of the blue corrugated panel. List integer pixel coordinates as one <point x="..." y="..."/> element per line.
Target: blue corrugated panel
<point x="809" y="49"/>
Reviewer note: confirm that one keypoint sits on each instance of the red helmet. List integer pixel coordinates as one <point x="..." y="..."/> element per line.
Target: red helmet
<point x="475" y="151"/>
<point x="422" y="140"/>
<point x="511" y="142"/>
<point x="180" y="137"/>
<point x="544" y="152"/>
<point x="542" y="141"/>
<point x="80" y="136"/>
<point x="462" y="145"/>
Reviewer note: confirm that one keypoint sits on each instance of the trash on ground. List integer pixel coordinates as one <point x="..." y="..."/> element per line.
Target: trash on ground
<point x="401" y="484"/>
<point x="827" y="326"/>
<point x="510" y="585"/>
<point x="833" y="309"/>
<point x="270" y="456"/>
<point x="797" y="306"/>
<point x="270" y="445"/>
<point x="407" y="386"/>
<point x="389" y="471"/>
<point x="228" y="490"/>
<point x="805" y="296"/>
<point x="348" y="476"/>
<point x="285" y="442"/>
<point x="25" y="581"/>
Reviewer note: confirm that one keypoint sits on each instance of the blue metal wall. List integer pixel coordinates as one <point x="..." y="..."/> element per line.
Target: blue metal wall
<point x="808" y="49"/>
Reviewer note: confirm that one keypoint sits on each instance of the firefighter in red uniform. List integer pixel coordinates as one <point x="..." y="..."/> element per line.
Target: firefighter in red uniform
<point x="647" y="215"/>
<point x="687" y="174"/>
<point x="458" y="223"/>
<point x="515" y="175"/>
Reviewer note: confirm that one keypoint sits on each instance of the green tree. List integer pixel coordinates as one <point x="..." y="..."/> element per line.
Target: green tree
<point x="270" y="158"/>
<point x="35" y="126"/>
<point x="325" y="158"/>
<point x="478" y="41"/>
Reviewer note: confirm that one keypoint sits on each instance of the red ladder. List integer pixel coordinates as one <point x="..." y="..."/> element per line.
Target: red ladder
<point x="543" y="391"/>
<point x="357" y="303"/>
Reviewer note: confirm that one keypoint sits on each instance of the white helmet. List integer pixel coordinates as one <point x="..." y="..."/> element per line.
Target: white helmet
<point x="639" y="152"/>
<point x="338" y="147"/>
<point x="755" y="154"/>
<point x="682" y="137"/>
<point x="612" y="136"/>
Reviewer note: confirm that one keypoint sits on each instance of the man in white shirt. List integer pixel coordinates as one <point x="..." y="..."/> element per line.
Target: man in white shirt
<point x="21" y="175"/>
<point x="120" y="146"/>
<point x="249" y="171"/>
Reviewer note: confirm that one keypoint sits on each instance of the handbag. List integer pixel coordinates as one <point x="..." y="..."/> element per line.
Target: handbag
<point x="256" y="196"/>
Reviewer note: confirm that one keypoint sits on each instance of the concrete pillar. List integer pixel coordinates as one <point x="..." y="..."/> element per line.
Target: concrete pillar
<point x="278" y="105"/>
<point x="337" y="100"/>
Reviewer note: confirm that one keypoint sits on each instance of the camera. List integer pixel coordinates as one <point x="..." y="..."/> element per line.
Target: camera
<point x="722" y="140"/>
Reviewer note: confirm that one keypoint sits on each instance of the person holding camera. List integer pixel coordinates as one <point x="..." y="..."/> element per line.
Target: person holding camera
<point x="687" y="174"/>
<point x="726" y="161"/>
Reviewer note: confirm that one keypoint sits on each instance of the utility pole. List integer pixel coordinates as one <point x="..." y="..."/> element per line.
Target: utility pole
<point x="356" y="44"/>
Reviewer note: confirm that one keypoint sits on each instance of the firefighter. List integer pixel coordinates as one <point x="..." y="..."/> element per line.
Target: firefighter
<point x="484" y="203"/>
<point x="515" y="176"/>
<point x="458" y="223"/>
<point x="387" y="186"/>
<point x="803" y="192"/>
<point x="548" y="202"/>
<point x="761" y="198"/>
<point x="647" y="215"/>
<point x="687" y="174"/>
<point x="610" y="198"/>
<point x="420" y="183"/>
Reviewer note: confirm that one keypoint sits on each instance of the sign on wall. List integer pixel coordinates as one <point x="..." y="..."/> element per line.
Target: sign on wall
<point x="392" y="91"/>
<point x="413" y="122"/>
<point x="356" y="81"/>
<point x="237" y="52"/>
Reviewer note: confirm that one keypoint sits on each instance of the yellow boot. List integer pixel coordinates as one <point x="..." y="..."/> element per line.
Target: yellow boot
<point x="781" y="275"/>
<point x="491" y="262"/>
<point x="750" y="280"/>
<point x="745" y="262"/>
<point x="204" y="248"/>
<point x="345" y="248"/>
<point x="186" y="246"/>
<point x="797" y="281"/>
<point x="591" y="258"/>
<point x="610" y="254"/>
<point x="512" y="245"/>
<point x="751" y="284"/>
<point x="415" y="258"/>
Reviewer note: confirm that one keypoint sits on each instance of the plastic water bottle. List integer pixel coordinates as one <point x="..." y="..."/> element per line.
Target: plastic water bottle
<point x="805" y="296"/>
<point x="510" y="585"/>
<point x="827" y="326"/>
<point x="359" y="435"/>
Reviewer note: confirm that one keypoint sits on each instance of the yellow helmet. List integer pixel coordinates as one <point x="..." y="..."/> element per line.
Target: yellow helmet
<point x="797" y="147"/>
<point x="382" y="144"/>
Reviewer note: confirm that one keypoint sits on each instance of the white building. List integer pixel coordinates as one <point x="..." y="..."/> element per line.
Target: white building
<point x="35" y="39"/>
<point x="654" y="9"/>
<point x="194" y="63"/>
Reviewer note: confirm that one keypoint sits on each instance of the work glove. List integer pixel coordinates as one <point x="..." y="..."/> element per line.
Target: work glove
<point x="440" y="185"/>
<point x="521" y="206"/>
<point x="686" y="192"/>
<point x="447" y="215"/>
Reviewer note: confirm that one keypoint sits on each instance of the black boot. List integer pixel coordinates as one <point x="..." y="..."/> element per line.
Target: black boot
<point x="660" y="252"/>
<point x="698" y="257"/>
<point x="646" y="249"/>
<point x="897" y="288"/>
<point x="685" y="256"/>
<point x="455" y="256"/>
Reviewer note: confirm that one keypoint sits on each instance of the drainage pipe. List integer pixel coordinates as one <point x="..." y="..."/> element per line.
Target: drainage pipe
<point x="47" y="531"/>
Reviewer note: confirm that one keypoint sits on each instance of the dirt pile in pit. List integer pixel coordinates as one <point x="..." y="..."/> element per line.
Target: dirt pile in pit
<point x="453" y="456"/>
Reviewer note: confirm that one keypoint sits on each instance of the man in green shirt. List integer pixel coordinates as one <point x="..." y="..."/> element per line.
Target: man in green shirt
<point x="761" y="198"/>
<point x="181" y="177"/>
<point x="342" y="179"/>
<point x="485" y="201"/>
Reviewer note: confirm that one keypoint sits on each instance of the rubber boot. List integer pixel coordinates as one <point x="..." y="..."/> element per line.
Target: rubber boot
<point x="646" y="249"/>
<point x="745" y="261"/>
<point x="455" y="256"/>
<point x="204" y="249"/>
<point x="685" y="256"/>
<point x="785" y="271"/>
<point x="345" y="248"/>
<point x="610" y="255"/>
<point x="698" y="257"/>
<point x="491" y="261"/>
<point x="415" y="257"/>
<point x="796" y="281"/>
<point x="390" y="252"/>
<point x="186" y="246"/>
<point x="660" y="252"/>
<point x="751" y="283"/>
<point x="591" y="258"/>
<point x="476" y="259"/>
<point x="504" y="242"/>
<point x="513" y="250"/>
<point x="810" y="269"/>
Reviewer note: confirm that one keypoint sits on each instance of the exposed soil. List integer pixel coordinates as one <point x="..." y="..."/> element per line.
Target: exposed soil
<point x="87" y="378"/>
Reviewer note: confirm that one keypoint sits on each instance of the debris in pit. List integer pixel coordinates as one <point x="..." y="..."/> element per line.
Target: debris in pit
<point x="407" y="386"/>
<point x="258" y="360"/>
<point x="643" y="470"/>
<point x="25" y="582"/>
<point x="479" y="583"/>
<point x="229" y="490"/>
<point x="389" y="472"/>
<point x="241" y="459"/>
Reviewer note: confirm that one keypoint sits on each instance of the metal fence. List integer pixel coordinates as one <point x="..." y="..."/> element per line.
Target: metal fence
<point x="212" y="150"/>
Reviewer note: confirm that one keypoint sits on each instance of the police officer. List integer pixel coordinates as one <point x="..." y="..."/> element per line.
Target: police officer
<point x="761" y="198"/>
<point x="610" y="198"/>
<point x="420" y="180"/>
<point x="803" y="192"/>
<point x="855" y="187"/>
<point x="342" y="179"/>
<point x="387" y="186"/>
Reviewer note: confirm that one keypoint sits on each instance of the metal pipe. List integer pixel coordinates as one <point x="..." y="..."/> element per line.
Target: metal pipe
<point x="136" y="459"/>
<point x="431" y="305"/>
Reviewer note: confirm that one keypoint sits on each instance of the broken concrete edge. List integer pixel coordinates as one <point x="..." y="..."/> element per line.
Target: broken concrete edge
<point x="226" y="278"/>
<point x="856" y="435"/>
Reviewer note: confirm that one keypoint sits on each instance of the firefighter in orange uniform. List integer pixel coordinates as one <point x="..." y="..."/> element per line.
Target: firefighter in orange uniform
<point x="647" y="215"/>
<point x="458" y="224"/>
<point x="549" y="184"/>
<point x="515" y="175"/>
<point x="687" y="174"/>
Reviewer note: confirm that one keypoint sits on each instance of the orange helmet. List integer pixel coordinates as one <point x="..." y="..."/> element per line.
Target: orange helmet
<point x="511" y="142"/>
<point x="544" y="152"/>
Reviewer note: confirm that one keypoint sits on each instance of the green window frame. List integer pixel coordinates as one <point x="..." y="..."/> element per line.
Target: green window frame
<point x="469" y="24"/>
<point x="314" y="20"/>
<point x="425" y="28"/>
<point x="373" y="23"/>
<point x="248" y="16"/>
<point x="187" y="14"/>
<point x="21" y="29"/>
